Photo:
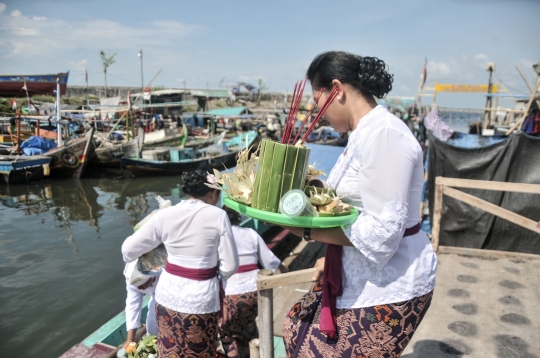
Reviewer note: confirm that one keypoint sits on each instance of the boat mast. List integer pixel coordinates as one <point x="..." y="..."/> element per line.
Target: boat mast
<point x="58" y="114"/>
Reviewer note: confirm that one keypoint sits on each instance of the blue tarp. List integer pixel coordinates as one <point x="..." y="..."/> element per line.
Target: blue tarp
<point x="37" y="145"/>
<point x="471" y="141"/>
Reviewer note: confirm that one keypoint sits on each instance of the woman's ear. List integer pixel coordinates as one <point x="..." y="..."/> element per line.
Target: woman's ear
<point x="339" y="86"/>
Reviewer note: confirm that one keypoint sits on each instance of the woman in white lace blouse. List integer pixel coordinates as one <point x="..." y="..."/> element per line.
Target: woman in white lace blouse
<point x="379" y="272"/>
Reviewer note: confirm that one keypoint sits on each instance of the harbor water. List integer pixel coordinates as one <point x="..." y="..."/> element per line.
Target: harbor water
<point x="61" y="268"/>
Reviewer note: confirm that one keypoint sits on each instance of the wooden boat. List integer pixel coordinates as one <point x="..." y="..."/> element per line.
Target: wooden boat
<point x="71" y="158"/>
<point x="167" y="161"/>
<point x="109" y="155"/>
<point x="20" y="169"/>
<point x="11" y="85"/>
<point x="68" y="160"/>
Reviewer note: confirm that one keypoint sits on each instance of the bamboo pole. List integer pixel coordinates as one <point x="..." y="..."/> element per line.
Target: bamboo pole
<point x="492" y="209"/>
<point x="266" y="317"/>
<point x="437" y="213"/>
<point x="524" y="79"/>
<point x="520" y="122"/>
<point x="527" y="83"/>
<point x="490" y="185"/>
<point x="123" y="115"/>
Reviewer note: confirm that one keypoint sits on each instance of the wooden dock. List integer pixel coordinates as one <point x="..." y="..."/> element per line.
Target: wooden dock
<point x="486" y="304"/>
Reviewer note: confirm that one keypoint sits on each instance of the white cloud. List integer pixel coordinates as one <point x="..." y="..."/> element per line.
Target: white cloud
<point x="35" y="37"/>
<point x="81" y="65"/>
<point x="439" y="69"/>
<point x="2" y="7"/>
<point x="481" y="57"/>
<point x="25" y="32"/>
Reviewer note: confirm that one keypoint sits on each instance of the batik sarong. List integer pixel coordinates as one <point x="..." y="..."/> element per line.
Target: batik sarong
<point x="375" y="332"/>
<point x="238" y="326"/>
<point x="184" y="335"/>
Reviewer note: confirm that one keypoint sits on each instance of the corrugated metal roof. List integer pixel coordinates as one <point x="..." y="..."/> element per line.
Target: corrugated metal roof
<point x="211" y="93"/>
<point x="228" y="112"/>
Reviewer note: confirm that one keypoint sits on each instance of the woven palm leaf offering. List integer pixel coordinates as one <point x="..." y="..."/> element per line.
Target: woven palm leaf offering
<point x="273" y="186"/>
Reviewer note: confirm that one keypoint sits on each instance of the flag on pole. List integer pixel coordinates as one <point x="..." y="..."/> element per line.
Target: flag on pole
<point x="423" y="77"/>
<point x="24" y="86"/>
<point x="13" y="103"/>
<point x="86" y="77"/>
<point x="146" y="94"/>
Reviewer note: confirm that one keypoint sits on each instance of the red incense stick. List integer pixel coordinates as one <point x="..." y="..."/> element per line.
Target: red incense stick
<point x="330" y="99"/>
<point x="309" y="114"/>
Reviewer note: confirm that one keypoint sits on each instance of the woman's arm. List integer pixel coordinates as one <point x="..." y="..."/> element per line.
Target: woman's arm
<point x="334" y="236"/>
<point x="148" y="237"/>
<point x="227" y="251"/>
<point x="388" y="160"/>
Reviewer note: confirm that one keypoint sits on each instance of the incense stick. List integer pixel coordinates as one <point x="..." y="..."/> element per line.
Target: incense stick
<point x="315" y="103"/>
<point x="330" y="99"/>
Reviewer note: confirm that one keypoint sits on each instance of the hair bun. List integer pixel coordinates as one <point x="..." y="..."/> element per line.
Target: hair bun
<point x="374" y="77"/>
<point x="193" y="183"/>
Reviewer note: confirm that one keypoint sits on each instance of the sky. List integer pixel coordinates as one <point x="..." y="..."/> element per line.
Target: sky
<point x="212" y="43"/>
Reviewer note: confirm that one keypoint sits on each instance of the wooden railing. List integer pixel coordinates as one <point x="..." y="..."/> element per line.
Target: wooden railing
<point x="445" y="186"/>
<point x="266" y="283"/>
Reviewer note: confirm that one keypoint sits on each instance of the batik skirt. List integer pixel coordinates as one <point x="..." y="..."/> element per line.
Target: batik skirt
<point x="375" y="332"/>
<point x="238" y="325"/>
<point x="184" y="335"/>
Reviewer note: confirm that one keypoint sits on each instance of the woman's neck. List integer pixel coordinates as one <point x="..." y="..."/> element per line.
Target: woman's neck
<point x="359" y="108"/>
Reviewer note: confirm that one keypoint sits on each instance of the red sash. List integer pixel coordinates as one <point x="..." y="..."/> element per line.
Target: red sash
<point x="247" y="268"/>
<point x="332" y="284"/>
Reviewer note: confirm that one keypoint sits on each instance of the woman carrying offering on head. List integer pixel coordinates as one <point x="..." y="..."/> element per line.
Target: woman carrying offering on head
<point x="379" y="272"/>
<point x="238" y="325"/>
<point x="200" y="246"/>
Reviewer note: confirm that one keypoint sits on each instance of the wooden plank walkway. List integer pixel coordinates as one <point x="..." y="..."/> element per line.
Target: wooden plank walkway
<point x="486" y="304"/>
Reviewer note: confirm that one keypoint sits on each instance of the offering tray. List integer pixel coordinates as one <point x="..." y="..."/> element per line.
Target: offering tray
<point x="321" y="222"/>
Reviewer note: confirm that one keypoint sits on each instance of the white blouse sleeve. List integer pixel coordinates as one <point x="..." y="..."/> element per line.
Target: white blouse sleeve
<point x="143" y="240"/>
<point x="134" y="302"/>
<point x="386" y="167"/>
<point x="227" y="251"/>
<point x="266" y="257"/>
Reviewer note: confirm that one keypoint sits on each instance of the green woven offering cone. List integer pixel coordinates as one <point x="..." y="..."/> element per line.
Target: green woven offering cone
<point x="281" y="168"/>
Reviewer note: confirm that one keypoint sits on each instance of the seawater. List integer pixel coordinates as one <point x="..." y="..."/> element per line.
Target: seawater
<point x="61" y="265"/>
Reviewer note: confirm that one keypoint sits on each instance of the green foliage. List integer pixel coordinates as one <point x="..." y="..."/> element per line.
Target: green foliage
<point x="106" y="61"/>
<point x="145" y="347"/>
<point x="158" y="88"/>
<point x="44" y="98"/>
<point x="262" y="87"/>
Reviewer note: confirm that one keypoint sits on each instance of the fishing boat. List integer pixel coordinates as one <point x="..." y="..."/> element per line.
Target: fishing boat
<point x="172" y="161"/>
<point x="14" y="85"/>
<point x="19" y="169"/>
<point x="110" y="153"/>
<point x="71" y="158"/>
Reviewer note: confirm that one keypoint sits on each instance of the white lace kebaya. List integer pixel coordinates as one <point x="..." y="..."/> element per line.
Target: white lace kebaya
<point x="196" y="235"/>
<point x="381" y="174"/>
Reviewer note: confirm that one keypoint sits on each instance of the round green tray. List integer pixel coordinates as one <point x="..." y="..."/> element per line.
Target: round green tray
<point x="321" y="222"/>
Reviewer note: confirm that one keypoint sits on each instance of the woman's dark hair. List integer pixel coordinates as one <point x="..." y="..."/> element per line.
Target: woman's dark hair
<point x="234" y="217"/>
<point x="368" y="75"/>
<point x="193" y="183"/>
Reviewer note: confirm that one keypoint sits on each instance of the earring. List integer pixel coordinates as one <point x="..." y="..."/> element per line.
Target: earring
<point x="339" y="98"/>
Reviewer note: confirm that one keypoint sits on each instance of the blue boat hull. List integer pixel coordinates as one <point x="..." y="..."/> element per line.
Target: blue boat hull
<point x="22" y="171"/>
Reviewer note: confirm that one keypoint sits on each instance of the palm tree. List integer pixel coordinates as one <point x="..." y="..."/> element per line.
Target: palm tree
<point x="106" y="61"/>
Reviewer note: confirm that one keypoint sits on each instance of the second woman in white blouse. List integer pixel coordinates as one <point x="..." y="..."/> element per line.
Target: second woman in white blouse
<point x="200" y="247"/>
